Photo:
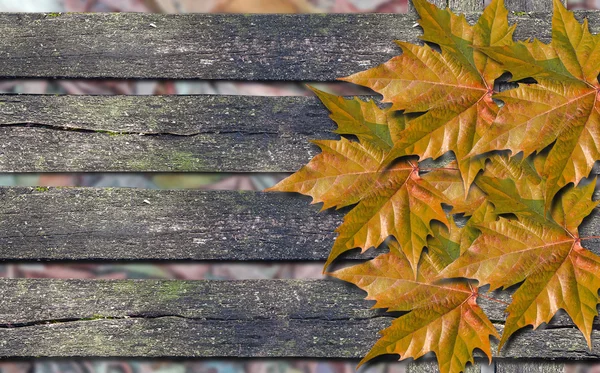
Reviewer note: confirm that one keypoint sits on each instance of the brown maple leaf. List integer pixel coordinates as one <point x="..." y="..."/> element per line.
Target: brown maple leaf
<point x="453" y="87"/>
<point x="561" y="109"/>
<point x="558" y="273"/>
<point x="444" y="318"/>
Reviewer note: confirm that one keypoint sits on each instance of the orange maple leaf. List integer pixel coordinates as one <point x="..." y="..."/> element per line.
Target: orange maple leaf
<point x="453" y="87"/>
<point x="444" y="318"/>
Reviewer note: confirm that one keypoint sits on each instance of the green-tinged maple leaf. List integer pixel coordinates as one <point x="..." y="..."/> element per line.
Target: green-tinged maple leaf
<point x="562" y="109"/>
<point x="363" y="119"/>
<point x="390" y="202"/>
<point x="454" y="87"/>
<point x="455" y="240"/>
<point x="444" y="318"/>
<point x="514" y="186"/>
<point x="558" y="273"/>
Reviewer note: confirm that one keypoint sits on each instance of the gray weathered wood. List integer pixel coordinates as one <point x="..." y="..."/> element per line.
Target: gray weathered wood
<point x="137" y="224"/>
<point x="530" y="5"/>
<point x="242" y="47"/>
<point x="159" y="133"/>
<point x="114" y="224"/>
<point x="466" y="5"/>
<point x="517" y="366"/>
<point x="442" y="4"/>
<point x="425" y="365"/>
<point x="258" y="318"/>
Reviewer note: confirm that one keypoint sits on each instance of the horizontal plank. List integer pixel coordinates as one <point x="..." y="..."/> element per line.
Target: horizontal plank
<point x="139" y="224"/>
<point x="498" y="366"/>
<point x="311" y="47"/>
<point x="159" y="133"/>
<point x="254" y="318"/>
<point x="529" y="367"/>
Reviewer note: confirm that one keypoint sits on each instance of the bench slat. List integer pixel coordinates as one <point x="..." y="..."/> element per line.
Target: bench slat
<point x="498" y="366"/>
<point x="206" y="46"/>
<point x="137" y="224"/>
<point x="160" y="133"/>
<point x="182" y="133"/>
<point x="259" y="318"/>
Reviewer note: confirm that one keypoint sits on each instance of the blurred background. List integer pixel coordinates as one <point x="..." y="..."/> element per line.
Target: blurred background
<point x="191" y="271"/>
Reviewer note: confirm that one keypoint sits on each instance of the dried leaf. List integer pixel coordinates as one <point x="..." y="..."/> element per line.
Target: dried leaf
<point x="444" y="319"/>
<point x="558" y="273"/>
<point x="562" y="109"/>
<point x="454" y="87"/>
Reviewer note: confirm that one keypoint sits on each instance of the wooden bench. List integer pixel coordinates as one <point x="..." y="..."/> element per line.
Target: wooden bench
<point x="148" y="318"/>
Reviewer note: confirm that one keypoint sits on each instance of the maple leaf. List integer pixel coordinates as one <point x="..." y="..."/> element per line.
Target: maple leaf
<point x="444" y="318"/>
<point x="558" y="273"/>
<point x="341" y="174"/>
<point x="514" y="186"/>
<point x="447" y="180"/>
<point x="390" y="202"/>
<point x="363" y="119"/>
<point x="561" y="109"/>
<point x="453" y="87"/>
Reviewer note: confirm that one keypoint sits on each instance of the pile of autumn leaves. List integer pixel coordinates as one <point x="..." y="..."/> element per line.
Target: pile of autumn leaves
<point x="523" y="211"/>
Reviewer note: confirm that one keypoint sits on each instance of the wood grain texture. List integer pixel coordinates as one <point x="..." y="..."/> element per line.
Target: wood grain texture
<point x="466" y="5"/>
<point x="507" y="366"/>
<point x="311" y="47"/>
<point x="428" y="365"/>
<point x="159" y="133"/>
<point x="115" y="224"/>
<point x="139" y="224"/>
<point x="530" y="5"/>
<point x="253" y="318"/>
<point x="413" y="13"/>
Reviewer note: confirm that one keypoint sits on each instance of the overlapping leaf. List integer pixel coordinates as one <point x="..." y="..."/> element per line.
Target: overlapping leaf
<point x="454" y="87"/>
<point x="562" y="109"/>
<point x="444" y="319"/>
<point x="558" y="273"/>
<point x="390" y="202"/>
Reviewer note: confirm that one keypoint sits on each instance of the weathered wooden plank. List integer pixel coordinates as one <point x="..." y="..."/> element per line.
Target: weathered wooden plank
<point x="499" y="365"/>
<point x="114" y="224"/>
<point x="466" y="5"/>
<point x="439" y="3"/>
<point x="430" y="366"/>
<point x="530" y="5"/>
<point x="138" y="224"/>
<point x="159" y="133"/>
<point x="258" y="318"/>
<point x="210" y="46"/>
<point x="517" y="366"/>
